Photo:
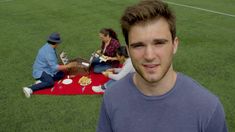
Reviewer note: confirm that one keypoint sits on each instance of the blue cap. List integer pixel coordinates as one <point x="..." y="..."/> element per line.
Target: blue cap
<point x="54" y="37"/>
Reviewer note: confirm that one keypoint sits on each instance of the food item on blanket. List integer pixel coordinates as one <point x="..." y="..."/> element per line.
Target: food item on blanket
<point x="67" y="81"/>
<point x="83" y="81"/>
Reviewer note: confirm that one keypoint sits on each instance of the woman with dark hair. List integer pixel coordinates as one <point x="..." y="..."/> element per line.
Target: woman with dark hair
<point x="108" y="49"/>
<point x="117" y="73"/>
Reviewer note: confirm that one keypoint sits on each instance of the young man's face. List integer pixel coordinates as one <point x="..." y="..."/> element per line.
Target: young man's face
<point x="151" y="49"/>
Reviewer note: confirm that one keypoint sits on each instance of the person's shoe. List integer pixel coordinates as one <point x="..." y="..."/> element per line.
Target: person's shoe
<point x="97" y="89"/>
<point x="27" y="91"/>
<point x="38" y="81"/>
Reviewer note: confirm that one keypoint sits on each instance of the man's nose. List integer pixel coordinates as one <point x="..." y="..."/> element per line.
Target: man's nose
<point x="149" y="53"/>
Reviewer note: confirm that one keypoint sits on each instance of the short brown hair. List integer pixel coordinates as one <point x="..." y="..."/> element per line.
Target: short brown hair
<point x="145" y="11"/>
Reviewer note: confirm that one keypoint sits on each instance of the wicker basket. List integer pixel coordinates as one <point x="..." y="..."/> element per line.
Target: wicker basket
<point x="81" y="68"/>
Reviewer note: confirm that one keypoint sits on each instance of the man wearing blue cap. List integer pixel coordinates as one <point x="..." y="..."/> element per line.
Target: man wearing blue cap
<point x="46" y="69"/>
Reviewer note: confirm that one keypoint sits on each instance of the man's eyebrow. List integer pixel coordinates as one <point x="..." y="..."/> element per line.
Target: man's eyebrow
<point x="136" y="43"/>
<point x="154" y="41"/>
<point x="160" y="40"/>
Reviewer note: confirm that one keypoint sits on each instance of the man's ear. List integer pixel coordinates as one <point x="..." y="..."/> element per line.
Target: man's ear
<point x="176" y="44"/>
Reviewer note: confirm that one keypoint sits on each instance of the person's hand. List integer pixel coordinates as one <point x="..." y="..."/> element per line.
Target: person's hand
<point x="72" y="64"/>
<point x="106" y="73"/>
<point x="110" y="70"/>
<point x="111" y="58"/>
<point x="108" y="58"/>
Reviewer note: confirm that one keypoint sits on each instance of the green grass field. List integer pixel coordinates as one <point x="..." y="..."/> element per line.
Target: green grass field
<point x="206" y="52"/>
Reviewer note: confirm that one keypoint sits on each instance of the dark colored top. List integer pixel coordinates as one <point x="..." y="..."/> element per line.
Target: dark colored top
<point x="111" y="51"/>
<point x="187" y="107"/>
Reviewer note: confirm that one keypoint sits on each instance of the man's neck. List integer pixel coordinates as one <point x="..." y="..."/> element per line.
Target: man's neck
<point x="158" y="88"/>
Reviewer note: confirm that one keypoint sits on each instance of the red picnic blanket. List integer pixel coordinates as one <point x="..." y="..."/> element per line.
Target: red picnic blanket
<point x="74" y="87"/>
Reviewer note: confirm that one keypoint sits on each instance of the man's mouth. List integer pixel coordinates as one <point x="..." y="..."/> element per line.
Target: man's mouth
<point x="150" y="66"/>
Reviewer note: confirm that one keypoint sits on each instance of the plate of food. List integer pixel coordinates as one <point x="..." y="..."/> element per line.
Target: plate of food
<point x="84" y="81"/>
<point x="67" y="81"/>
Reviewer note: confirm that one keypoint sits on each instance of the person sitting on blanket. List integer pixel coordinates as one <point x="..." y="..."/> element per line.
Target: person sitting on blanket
<point x="116" y="73"/>
<point x="110" y="43"/>
<point x="46" y="69"/>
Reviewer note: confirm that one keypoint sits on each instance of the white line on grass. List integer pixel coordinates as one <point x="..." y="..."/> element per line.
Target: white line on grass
<point x="5" y="0"/>
<point x="198" y="8"/>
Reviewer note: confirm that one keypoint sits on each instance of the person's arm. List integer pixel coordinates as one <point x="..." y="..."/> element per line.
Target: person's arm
<point x="123" y="72"/>
<point x="217" y="122"/>
<point x="62" y="67"/>
<point x="111" y="58"/>
<point x="67" y="66"/>
<point x="117" y="70"/>
<point x="104" y="123"/>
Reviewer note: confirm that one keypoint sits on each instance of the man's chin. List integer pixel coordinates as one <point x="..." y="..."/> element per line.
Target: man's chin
<point x="151" y="78"/>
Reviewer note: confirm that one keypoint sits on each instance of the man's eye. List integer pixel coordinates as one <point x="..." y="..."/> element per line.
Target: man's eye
<point x="136" y="46"/>
<point x="160" y="42"/>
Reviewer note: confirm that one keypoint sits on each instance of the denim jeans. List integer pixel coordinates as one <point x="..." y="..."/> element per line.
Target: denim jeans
<point x="47" y="81"/>
<point x="99" y="67"/>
